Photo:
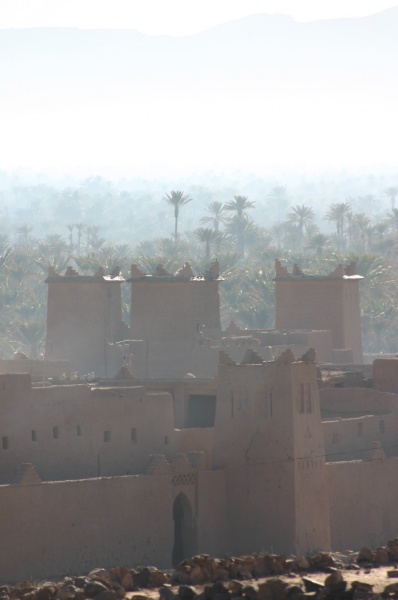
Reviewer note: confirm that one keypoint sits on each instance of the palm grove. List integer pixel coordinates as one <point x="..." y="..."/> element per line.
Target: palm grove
<point x="43" y="234"/>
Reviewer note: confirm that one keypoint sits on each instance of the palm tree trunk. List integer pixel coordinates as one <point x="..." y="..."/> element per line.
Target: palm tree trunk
<point x="207" y="254"/>
<point x="175" y="223"/>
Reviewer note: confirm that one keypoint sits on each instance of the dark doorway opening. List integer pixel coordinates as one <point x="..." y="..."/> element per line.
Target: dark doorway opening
<point x="185" y="537"/>
<point x="201" y="411"/>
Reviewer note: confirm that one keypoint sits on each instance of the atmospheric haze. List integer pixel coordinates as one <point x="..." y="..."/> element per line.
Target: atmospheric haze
<point x="264" y="93"/>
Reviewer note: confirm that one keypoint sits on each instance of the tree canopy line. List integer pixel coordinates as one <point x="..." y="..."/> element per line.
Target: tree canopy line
<point x="351" y="229"/>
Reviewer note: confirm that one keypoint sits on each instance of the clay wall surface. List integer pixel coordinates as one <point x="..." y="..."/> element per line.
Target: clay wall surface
<point x="311" y="502"/>
<point x="351" y="438"/>
<point x="171" y="311"/>
<point x="196" y="440"/>
<point x="275" y="342"/>
<point x="311" y="304"/>
<point x="260" y="438"/>
<point x="171" y="317"/>
<point x="354" y="418"/>
<point x="362" y="499"/>
<point x="352" y="320"/>
<point x="260" y="506"/>
<point x="36" y="368"/>
<point x="82" y="316"/>
<point x="51" y="529"/>
<point x="385" y="374"/>
<point x="355" y="401"/>
<point x="204" y="360"/>
<point x="160" y="311"/>
<point x="321" y="304"/>
<point x="344" y="356"/>
<point x="174" y="360"/>
<point x="71" y="432"/>
<point x="212" y="525"/>
<point x="247" y="395"/>
<point x="205" y="301"/>
<point x="236" y="349"/>
<point x="180" y="390"/>
<point x="167" y="359"/>
<point x="251" y="408"/>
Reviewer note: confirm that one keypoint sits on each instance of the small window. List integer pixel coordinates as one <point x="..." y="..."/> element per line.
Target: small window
<point x="134" y="435"/>
<point x="34" y="436"/>
<point x="55" y="433"/>
<point x="308" y="399"/>
<point x="166" y="440"/>
<point x="107" y="436"/>
<point x="78" y="430"/>
<point x="302" y="399"/>
<point x="382" y="427"/>
<point x="360" y="429"/>
<point x="5" y="442"/>
<point x="200" y="410"/>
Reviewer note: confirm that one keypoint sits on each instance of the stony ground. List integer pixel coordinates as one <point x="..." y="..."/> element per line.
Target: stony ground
<point x="367" y="575"/>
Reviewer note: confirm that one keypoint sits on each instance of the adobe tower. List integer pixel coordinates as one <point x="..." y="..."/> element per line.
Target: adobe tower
<point x="321" y="302"/>
<point x="172" y="314"/>
<point x="268" y="439"/>
<point x="84" y="314"/>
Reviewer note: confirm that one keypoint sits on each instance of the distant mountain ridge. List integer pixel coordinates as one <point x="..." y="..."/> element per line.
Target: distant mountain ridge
<point x="261" y="90"/>
<point x="259" y="40"/>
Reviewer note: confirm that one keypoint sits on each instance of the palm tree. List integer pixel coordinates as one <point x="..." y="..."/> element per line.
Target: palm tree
<point x="145" y="248"/>
<point x="53" y="244"/>
<point x="301" y="215"/>
<point x="339" y="212"/>
<point x="278" y="195"/>
<point x="392" y="219"/>
<point x="362" y="229"/>
<point x="241" y="228"/>
<point x="286" y="236"/>
<point x="239" y="205"/>
<point x="257" y="305"/>
<point x="5" y="254"/>
<point x="387" y="247"/>
<point x="318" y="242"/>
<point x="392" y="193"/>
<point x="177" y="199"/>
<point x="173" y="250"/>
<point x="206" y="236"/>
<point x="150" y="263"/>
<point x="24" y="231"/>
<point x="31" y="334"/>
<point x="80" y="228"/>
<point x="216" y="217"/>
<point x="70" y="228"/>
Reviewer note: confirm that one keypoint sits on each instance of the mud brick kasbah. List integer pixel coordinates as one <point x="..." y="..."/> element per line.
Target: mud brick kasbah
<point x="179" y="438"/>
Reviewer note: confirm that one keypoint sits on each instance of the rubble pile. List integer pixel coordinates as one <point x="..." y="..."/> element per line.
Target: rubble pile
<point x="324" y="576"/>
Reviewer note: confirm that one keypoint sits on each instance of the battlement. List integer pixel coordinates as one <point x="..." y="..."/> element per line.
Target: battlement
<point x="321" y="302"/>
<point x="184" y="274"/>
<point x="339" y="273"/>
<point x="84" y="315"/>
<point x="72" y="275"/>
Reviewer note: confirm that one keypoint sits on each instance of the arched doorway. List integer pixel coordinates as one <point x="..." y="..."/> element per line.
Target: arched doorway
<point x="185" y="539"/>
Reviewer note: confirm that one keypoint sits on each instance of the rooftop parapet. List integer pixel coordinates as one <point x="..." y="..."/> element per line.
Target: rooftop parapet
<point x="253" y="358"/>
<point x="340" y="272"/>
<point x="184" y="273"/>
<point x="72" y="275"/>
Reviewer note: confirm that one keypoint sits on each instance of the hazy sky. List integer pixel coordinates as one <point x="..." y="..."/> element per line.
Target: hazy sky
<point x="173" y="17"/>
<point x="59" y="128"/>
